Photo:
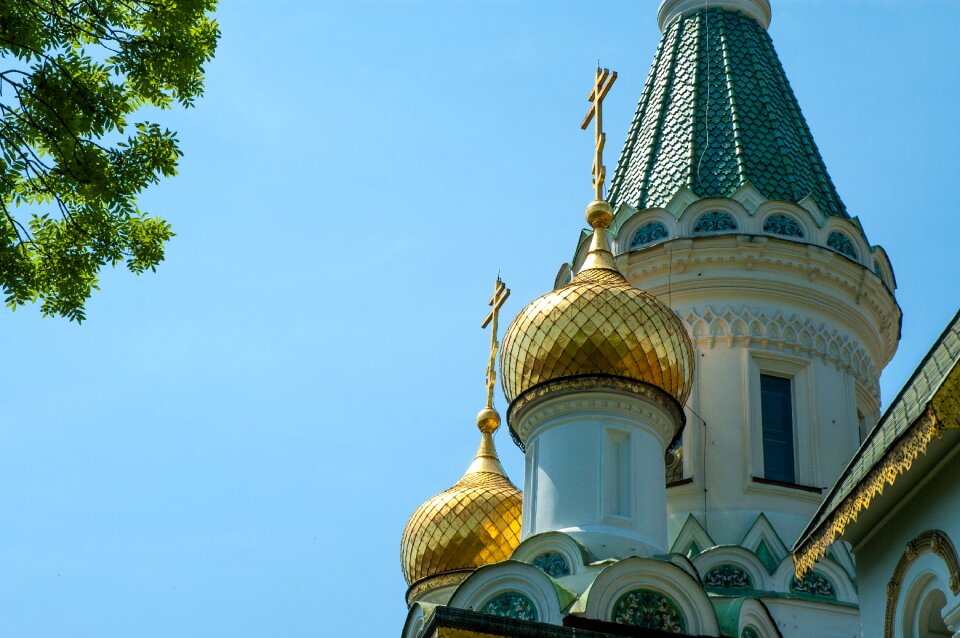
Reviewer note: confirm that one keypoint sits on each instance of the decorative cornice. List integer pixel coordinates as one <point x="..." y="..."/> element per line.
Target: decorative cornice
<point x="670" y="10"/>
<point x="447" y="579"/>
<point x="894" y="463"/>
<point x="744" y="327"/>
<point x="590" y="383"/>
<point x="760" y="264"/>
<point x="930" y="541"/>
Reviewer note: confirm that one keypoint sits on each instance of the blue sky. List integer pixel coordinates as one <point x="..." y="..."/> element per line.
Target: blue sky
<point x="231" y="446"/>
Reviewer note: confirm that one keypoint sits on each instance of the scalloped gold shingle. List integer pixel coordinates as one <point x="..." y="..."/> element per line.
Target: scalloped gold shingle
<point x="474" y="523"/>
<point x="597" y="324"/>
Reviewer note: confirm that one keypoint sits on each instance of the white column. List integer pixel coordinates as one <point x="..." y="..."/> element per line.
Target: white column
<point x="594" y="470"/>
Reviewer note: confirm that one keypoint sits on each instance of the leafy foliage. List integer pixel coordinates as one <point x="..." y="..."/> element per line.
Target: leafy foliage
<point x="74" y="74"/>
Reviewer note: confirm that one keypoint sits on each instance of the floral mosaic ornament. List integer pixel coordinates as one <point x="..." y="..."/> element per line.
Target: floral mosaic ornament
<point x="552" y="564"/>
<point x="649" y="233"/>
<point x="842" y="244"/>
<point x="783" y="225"/>
<point x="650" y="610"/>
<point x="814" y="584"/>
<point x="727" y="577"/>
<point x="511" y="604"/>
<point x="749" y="632"/>
<point x="715" y="222"/>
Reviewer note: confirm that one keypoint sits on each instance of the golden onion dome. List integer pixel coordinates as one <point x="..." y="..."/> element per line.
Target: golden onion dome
<point x="598" y="324"/>
<point x="474" y="523"/>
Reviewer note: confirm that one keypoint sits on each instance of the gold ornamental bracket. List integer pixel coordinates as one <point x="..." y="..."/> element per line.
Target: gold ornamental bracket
<point x="602" y="84"/>
<point x="500" y="294"/>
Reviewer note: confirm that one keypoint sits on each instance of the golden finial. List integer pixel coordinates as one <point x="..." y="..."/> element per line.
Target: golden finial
<point x="500" y="294"/>
<point x="599" y="212"/>
<point x="487" y="419"/>
<point x="601" y="86"/>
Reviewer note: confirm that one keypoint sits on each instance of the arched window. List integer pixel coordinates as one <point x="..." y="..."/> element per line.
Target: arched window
<point x="648" y="233"/>
<point x="715" y="222"/>
<point x="783" y="225"/>
<point x="842" y="244"/>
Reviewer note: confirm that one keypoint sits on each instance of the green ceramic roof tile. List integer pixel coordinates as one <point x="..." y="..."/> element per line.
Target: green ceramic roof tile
<point x="716" y="113"/>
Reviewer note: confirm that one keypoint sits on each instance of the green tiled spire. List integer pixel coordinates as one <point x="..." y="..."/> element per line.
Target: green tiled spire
<point x="718" y="112"/>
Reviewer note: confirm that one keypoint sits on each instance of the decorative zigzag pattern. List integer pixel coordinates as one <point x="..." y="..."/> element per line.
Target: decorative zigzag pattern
<point x="748" y="327"/>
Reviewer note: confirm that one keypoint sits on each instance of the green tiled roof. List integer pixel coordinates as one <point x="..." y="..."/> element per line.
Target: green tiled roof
<point x="907" y="407"/>
<point x="718" y="112"/>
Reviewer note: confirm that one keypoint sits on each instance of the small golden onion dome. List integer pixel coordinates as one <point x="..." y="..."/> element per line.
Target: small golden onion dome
<point x="598" y="324"/>
<point x="474" y="523"/>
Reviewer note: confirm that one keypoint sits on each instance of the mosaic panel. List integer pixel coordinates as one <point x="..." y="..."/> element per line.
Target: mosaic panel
<point x="552" y="564"/>
<point x="783" y="225"/>
<point x="842" y="244"/>
<point x="650" y="610"/>
<point x="648" y="233"/>
<point x="511" y="604"/>
<point x="814" y="584"/>
<point x="727" y="577"/>
<point x="715" y="222"/>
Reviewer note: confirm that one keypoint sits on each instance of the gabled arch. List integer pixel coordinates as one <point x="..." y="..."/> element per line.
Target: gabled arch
<point x="692" y="538"/>
<point x="491" y="583"/>
<point x="767" y="211"/>
<point x="656" y="216"/>
<point x="815" y="583"/>
<point x="543" y="551"/>
<point x="835" y="235"/>
<point x="735" y="556"/>
<point x="659" y="578"/>
<point x="696" y="210"/>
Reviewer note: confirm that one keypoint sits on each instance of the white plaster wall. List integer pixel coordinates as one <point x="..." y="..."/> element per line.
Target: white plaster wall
<point x="834" y="360"/>
<point x="723" y="440"/>
<point x="806" y="619"/>
<point x="935" y="505"/>
<point x="594" y="470"/>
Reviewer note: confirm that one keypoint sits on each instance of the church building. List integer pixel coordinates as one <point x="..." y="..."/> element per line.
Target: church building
<point x="698" y="400"/>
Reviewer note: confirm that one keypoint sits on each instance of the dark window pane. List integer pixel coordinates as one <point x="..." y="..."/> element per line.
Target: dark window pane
<point x="776" y="406"/>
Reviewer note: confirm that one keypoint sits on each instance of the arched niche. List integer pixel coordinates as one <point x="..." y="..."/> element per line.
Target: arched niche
<point x="511" y="589"/>
<point x="554" y="553"/>
<point x="827" y="581"/>
<point x="736" y="559"/>
<point x="709" y="217"/>
<point x="928" y="570"/>
<point x="650" y="581"/>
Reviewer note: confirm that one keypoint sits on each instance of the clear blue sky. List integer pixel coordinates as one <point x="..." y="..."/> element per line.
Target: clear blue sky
<point x="232" y="446"/>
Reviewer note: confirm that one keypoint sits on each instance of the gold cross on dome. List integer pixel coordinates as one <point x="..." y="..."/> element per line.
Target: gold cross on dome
<point x="601" y="86"/>
<point x="500" y="294"/>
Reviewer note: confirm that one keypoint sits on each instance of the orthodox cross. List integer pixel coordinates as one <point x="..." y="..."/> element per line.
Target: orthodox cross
<point x="604" y="81"/>
<point x="500" y="294"/>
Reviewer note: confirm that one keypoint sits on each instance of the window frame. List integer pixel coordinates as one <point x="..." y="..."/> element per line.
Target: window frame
<point x="805" y="465"/>
<point x="787" y="474"/>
